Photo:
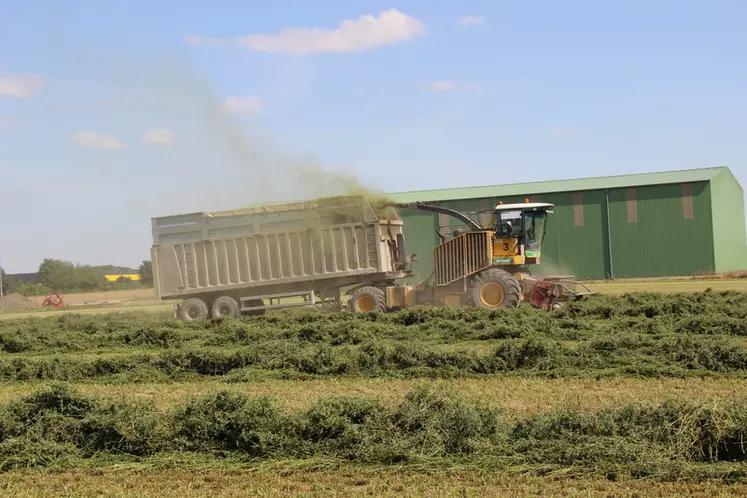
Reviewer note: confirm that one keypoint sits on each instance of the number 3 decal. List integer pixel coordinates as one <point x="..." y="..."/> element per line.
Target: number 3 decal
<point x="505" y="246"/>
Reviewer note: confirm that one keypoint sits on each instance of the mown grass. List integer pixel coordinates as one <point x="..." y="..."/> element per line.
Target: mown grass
<point x="57" y="428"/>
<point x="640" y="386"/>
<point x="654" y="314"/>
<point x="286" y="479"/>
<point x="645" y="335"/>
<point x="605" y="357"/>
<point x="515" y="397"/>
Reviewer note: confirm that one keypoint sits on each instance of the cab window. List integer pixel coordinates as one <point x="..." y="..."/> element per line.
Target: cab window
<point x="535" y="228"/>
<point x="508" y="223"/>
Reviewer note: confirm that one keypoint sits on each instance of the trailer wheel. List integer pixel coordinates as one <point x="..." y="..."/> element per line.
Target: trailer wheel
<point x="368" y="300"/>
<point x="495" y="288"/>
<point x="193" y="309"/>
<point x="226" y="306"/>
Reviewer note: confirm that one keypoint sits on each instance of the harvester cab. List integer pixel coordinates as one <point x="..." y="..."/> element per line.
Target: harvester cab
<point x="489" y="266"/>
<point x="518" y="232"/>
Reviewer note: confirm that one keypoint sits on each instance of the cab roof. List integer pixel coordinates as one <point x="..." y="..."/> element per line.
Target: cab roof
<point x="524" y="206"/>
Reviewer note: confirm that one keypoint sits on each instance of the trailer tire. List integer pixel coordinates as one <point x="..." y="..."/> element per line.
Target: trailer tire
<point x="495" y="288"/>
<point x="193" y="309"/>
<point x="368" y="300"/>
<point x="226" y="307"/>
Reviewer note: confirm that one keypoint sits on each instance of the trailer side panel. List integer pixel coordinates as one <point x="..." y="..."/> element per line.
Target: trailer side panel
<point x="293" y="247"/>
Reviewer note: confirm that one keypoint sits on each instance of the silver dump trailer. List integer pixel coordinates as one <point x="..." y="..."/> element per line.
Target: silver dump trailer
<point x="232" y="263"/>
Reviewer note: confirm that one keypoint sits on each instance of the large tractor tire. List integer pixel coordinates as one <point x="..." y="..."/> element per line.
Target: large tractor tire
<point x="193" y="309"/>
<point x="226" y="307"/>
<point x="495" y="288"/>
<point x="368" y="300"/>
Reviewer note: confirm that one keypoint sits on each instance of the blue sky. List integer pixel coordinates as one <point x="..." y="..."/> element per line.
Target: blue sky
<point x="115" y="111"/>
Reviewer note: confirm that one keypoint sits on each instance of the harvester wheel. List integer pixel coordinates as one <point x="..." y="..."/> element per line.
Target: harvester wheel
<point x="193" y="309"/>
<point x="495" y="288"/>
<point x="226" y="306"/>
<point x="368" y="300"/>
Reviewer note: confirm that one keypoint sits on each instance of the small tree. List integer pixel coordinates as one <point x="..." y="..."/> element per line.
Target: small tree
<point x="57" y="274"/>
<point x="88" y="279"/>
<point x="146" y="272"/>
<point x="12" y="285"/>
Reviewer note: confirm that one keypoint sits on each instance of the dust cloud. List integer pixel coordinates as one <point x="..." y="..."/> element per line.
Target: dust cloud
<point x="549" y="268"/>
<point x="220" y="160"/>
<point x="233" y="161"/>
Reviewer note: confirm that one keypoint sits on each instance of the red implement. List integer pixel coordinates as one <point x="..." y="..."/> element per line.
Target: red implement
<point x="550" y="293"/>
<point x="53" y="300"/>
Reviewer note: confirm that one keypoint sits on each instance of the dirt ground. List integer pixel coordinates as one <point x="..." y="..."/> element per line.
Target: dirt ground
<point x="132" y="300"/>
<point x="138" y="294"/>
<point x="338" y="482"/>
<point x="16" y="302"/>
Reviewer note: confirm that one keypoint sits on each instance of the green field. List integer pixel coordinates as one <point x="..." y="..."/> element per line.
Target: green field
<point x="616" y="394"/>
<point x="669" y="286"/>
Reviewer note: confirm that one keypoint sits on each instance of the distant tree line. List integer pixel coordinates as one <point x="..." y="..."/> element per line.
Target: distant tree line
<point x="56" y="275"/>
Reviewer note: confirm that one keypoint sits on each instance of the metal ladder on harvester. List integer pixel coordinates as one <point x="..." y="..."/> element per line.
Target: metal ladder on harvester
<point x="190" y="277"/>
<point x="372" y="245"/>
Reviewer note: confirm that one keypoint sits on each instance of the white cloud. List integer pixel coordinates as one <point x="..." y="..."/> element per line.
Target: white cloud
<point x="442" y="86"/>
<point x="20" y="87"/>
<point x="193" y="40"/>
<point x="198" y="41"/>
<point x="471" y="20"/>
<point x="96" y="140"/>
<point x="159" y="136"/>
<point x="365" y="33"/>
<point x="247" y="105"/>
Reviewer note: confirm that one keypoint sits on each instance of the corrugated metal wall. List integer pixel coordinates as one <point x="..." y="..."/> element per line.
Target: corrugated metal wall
<point x="661" y="230"/>
<point x="730" y="246"/>
<point x="576" y="243"/>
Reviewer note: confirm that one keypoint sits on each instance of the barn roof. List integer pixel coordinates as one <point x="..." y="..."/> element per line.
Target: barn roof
<point x="551" y="186"/>
<point x="570" y="185"/>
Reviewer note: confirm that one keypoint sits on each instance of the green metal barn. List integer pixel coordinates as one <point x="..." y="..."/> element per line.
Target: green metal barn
<point x="678" y="223"/>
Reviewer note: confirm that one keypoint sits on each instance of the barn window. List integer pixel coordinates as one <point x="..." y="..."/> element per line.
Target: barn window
<point x="578" y="209"/>
<point x="632" y="206"/>
<point x="687" y="201"/>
